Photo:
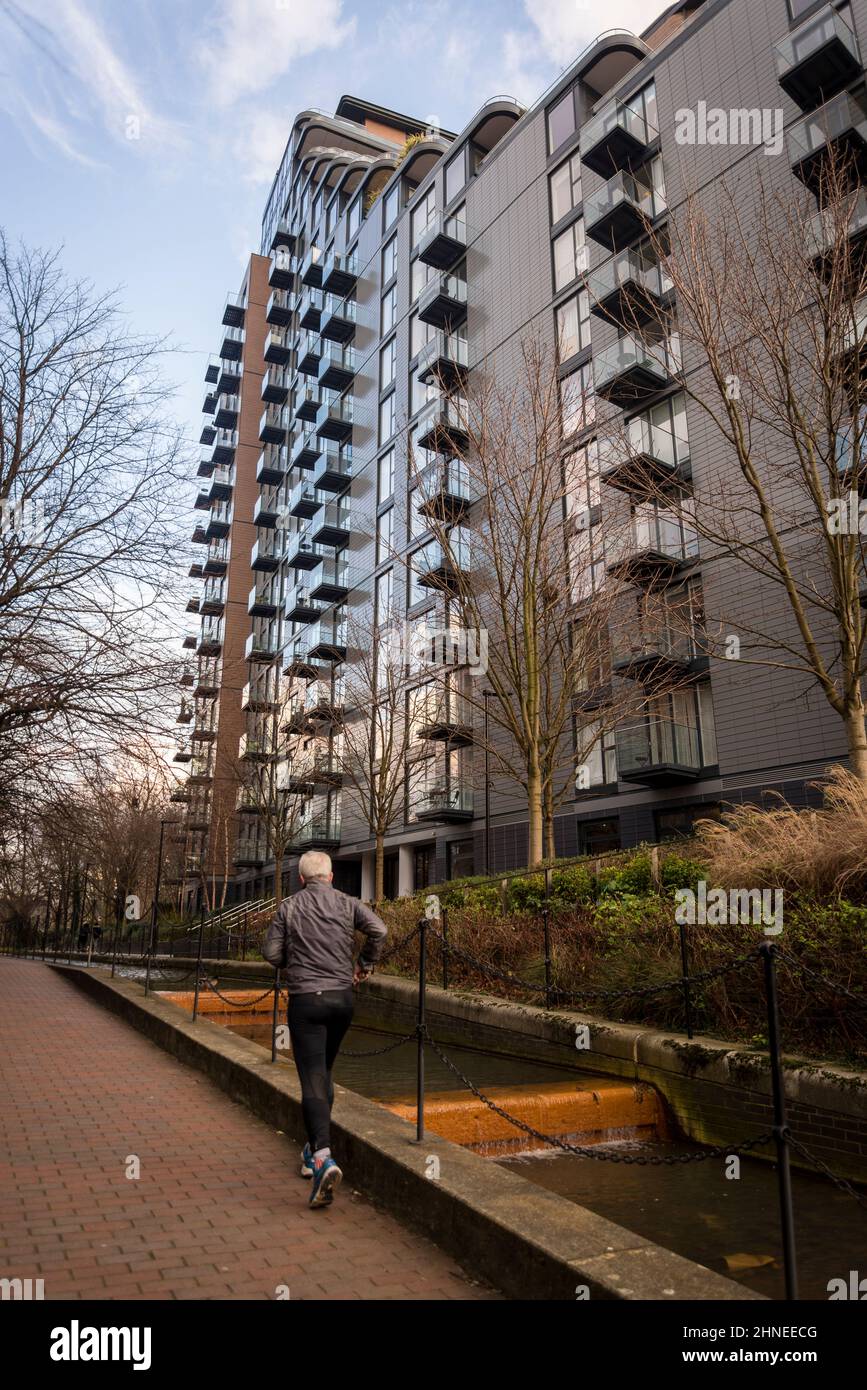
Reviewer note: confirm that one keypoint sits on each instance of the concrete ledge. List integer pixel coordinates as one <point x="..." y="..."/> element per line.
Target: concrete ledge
<point x="529" y="1243"/>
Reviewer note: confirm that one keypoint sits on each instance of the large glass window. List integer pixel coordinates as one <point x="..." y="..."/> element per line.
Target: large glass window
<point x="422" y="214"/>
<point x="456" y="175"/>
<point x="577" y="401"/>
<point x="353" y="218"/>
<point x="387" y="364"/>
<point x="384" y="536"/>
<point x="562" y="121"/>
<point x="385" y="488"/>
<point x="570" y="254"/>
<point x="565" y="188"/>
<point x="573" y="325"/>
<point x="421" y="273"/>
<point x="389" y="310"/>
<point x="389" y="260"/>
<point x="387" y="418"/>
<point x="391" y="206"/>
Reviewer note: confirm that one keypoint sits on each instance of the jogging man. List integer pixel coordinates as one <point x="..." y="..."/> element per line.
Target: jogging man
<point x="311" y="937"/>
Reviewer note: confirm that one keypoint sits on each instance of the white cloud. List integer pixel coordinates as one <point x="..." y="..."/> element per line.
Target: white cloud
<point x="253" y="42"/>
<point x="567" y="26"/>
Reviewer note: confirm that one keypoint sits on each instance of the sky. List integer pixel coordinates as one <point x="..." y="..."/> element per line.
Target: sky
<point x="141" y="136"/>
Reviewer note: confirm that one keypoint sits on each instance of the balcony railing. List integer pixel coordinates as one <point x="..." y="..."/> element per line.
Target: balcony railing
<point x="272" y="425"/>
<point x="818" y="59"/>
<point x="443" y="426"/>
<point x="307" y="403"/>
<point x="443" y="302"/>
<point x="260" y="646"/>
<point x="621" y="210"/>
<point x="278" y="347"/>
<point x="334" y="419"/>
<point x="261" y="602"/>
<point x="337" y="368"/>
<point x="232" y="343"/>
<point x="443" y="242"/>
<point x="337" y="324"/>
<point x="627" y="289"/>
<point x="265" y="555"/>
<point x="226" y="414"/>
<point x="446" y="802"/>
<point x="332" y="524"/>
<point x="443" y="360"/>
<point x="616" y="138"/>
<point x="309" y="354"/>
<point x="657" y="751"/>
<point x="646" y="457"/>
<point x="319" y="832"/>
<point x="310" y="309"/>
<point x="837" y="130"/>
<point x="283" y="235"/>
<point x="633" y="369"/>
<point x="275" y="386"/>
<point x="311" y="267"/>
<point x="444" y="491"/>
<point x="438" y="566"/>
<point x="333" y="470"/>
<point x="340" y="273"/>
<point x="280" y="308"/>
<point x="851" y="455"/>
<point x="331" y="583"/>
<point x="831" y="227"/>
<point x="652" y="544"/>
<point x="233" y="313"/>
<point x="272" y="466"/>
<point x="305" y="450"/>
<point x="281" y="272"/>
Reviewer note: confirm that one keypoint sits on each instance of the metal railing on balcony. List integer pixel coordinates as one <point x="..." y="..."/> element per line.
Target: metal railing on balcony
<point x="842" y="124"/>
<point x="817" y="58"/>
<point x="657" y="749"/>
<point x="617" y="135"/>
<point x="444" y="801"/>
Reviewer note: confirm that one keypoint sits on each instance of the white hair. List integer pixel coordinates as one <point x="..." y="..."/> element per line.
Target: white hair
<point x="314" y="864"/>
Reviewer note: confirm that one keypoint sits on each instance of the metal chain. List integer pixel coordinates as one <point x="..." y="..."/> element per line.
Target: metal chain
<point x="799" y="965"/>
<point x="234" y="1003"/>
<point x="379" y="1051"/>
<point x="819" y="1163"/>
<point x="399" y="945"/>
<point x="599" y="1152"/>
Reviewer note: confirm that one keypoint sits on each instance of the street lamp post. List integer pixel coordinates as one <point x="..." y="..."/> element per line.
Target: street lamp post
<point x="154" y="904"/>
<point x="486" y="695"/>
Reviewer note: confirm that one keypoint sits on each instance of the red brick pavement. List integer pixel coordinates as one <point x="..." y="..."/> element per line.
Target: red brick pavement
<point x="219" y="1211"/>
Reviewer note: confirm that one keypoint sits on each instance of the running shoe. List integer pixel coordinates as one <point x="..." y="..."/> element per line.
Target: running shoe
<point x="325" y="1179"/>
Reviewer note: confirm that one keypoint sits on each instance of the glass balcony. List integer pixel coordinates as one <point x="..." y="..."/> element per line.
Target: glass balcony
<point x="333" y="471"/>
<point x="208" y="434"/>
<point x="337" y="368"/>
<point x="442" y="426"/>
<point x="649" y="645"/>
<point x="307" y="403"/>
<point x="232" y="344"/>
<point x="216" y="560"/>
<point x="837" y="130"/>
<point x="829" y="230"/>
<point x="621" y="210"/>
<point x="210" y="641"/>
<point x="444" y="491"/>
<point x="627" y="289"/>
<point x="257" y="747"/>
<point x="209" y="404"/>
<point x="443" y="242"/>
<point x="261" y="602"/>
<point x="213" y="600"/>
<point x="653" y="545"/>
<point x="310" y="309"/>
<point x="331" y="583"/>
<point x="337" y="324"/>
<point x="219" y="522"/>
<point x="233" y="313"/>
<point x="331" y="525"/>
<point x="304" y="500"/>
<point x="311" y="267"/>
<point x="646" y="457"/>
<point x="284" y="236"/>
<point x="298" y="659"/>
<point x="318" y="832"/>
<point x="265" y="555"/>
<point x="229" y="377"/>
<point x="300" y="607"/>
<point x="224" y="446"/>
<point x="248" y="803"/>
<point x="334" y="420"/>
<point x="281" y="272"/>
<point x="445" y="802"/>
<point x="818" y="59"/>
<point x="632" y="369"/>
<point x="616" y="139"/>
<point x="183" y="753"/>
<point x="301" y="553"/>
<point x="212" y="371"/>
<point x="250" y="854"/>
<point x="272" y="466"/>
<point x="327" y="642"/>
<point x="305" y="450"/>
<point x="444" y="717"/>
<point x="275" y="386"/>
<point x="260" y="646"/>
<point x="272" y="425"/>
<point x="266" y="509"/>
<point x="657" y="752"/>
<point x="206" y="684"/>
<point x="443" y="302"/>
<point x="278" y="347"/>
<point x="309" y="354"/>
<point x="221" y="484"/>
<point x="257" y="696"/>
<point x="340" y="274"/>
<point x="190" y="640"/>
<point x="444" y="361"/>
<point x="440" y="567"/>
<point x="280" y="308"/>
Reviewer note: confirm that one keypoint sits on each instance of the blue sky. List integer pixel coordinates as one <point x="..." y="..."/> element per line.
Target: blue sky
<point x="142" y="135"/>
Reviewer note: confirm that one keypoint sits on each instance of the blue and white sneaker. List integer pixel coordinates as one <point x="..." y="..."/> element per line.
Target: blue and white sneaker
<point x="307" y="1162"/>
<point x="325" y="1179"/>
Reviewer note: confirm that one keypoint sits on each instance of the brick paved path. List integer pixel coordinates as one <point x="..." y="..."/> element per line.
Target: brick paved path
<point x="219" y="1210"/>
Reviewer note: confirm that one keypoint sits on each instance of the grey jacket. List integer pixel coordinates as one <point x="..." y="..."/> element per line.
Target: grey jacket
<point x="312" y="938"/>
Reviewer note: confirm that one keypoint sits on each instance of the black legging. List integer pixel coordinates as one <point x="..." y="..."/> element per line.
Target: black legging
<point x="317" y="1025"/>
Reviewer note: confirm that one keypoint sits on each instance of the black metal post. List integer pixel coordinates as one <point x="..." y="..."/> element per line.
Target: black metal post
<point x="445" y="926"/>
<point x="199" y="961"/>
<point x="485" y="695"/>
<point x="114" y="940"/>
<point x="420" y="1027"/>
<point x="684" y="969"/>
<point x="781" y="1126"/>
<point x="546" y="928"/>
<point x="47" y="922"/>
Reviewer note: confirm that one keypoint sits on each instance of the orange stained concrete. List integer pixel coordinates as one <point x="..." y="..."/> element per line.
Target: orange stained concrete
<point x="592" y="1109"/>
<point x="212" y="1004"/>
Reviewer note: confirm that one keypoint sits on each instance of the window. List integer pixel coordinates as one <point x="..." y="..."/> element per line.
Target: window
<point x="391" y="206"/>
<point x="419" y="334"/>
<point x="679" y="824"/>
<point x="598" y="836"/>
<point x="387" y="418"/>
<point x="595" y="756"/>
<point x="420" y="393"/>
<point x="577" y="402"/>
<point x="389" y="260"/>
<point x="573" y="325"/>
<point x="462" y="863"/>
<point x="455" y="175"/>
<point x="417" y="523"/>
<point x="384" y="596"/>
<point x="423" y="214"/>
<point x="389" y="310"/>
<point x="353" y="218"/>
<point x="387" y="364"/>
<point x="420" y="275"/>
<point x="581" y="469"/>
<point x="562" y="121"/>
<point x="384" y="536"/>
<point x="385" y="470"/>
<point x="415" y="592"/>
<point x="570" y="255"/>
<point x="565" y="184"/>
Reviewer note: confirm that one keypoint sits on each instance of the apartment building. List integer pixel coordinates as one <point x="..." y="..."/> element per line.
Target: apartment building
<point x="395" y="261"/>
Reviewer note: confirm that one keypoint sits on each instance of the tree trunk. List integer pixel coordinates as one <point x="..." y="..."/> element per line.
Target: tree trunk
<point x="278" y="879"/>
<point x="549" y="846"/>
<point x="379" y="869"/>
<point x="534" y="816"/>
<point x="856" y="736"/>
